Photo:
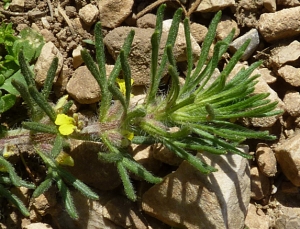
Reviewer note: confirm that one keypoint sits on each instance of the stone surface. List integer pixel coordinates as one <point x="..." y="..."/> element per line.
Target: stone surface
<point x="179" y="49"/>
<point x="114" y="12"/>
<point x="237" y="43"/>
<point x="266" y="160"/>
<point x="198" y="31"/>
<point x="90" y="213"/>
<point x="267" y="75"/>
<point x="292" y="103"/>
<point x="143" y="155"/>
<point x="38" y="226"/>
<point x="163" y="154"/>
<point x="288" y="215"/>
<point x="290" y="74"/>
<point x="83" y="87"/>
<point x="281" y="24"/>
<point x="270" y="5"/>
<point x="263" y="87"/>
<point x="45" y="203"/>
<point x="89" y="14"/>
<point x="288" y="3"/>
<point x="225" y="26"/>
<point x="146" y="21"/>
<point x="77" y="59"/>
<point x="288" y="156"/>
<point x="260" y="184"/>
<point x="285" y="53"/>
<point x="190" y="199"/>
<point x="256" y="218"/>
<point x="140" y="55"/>
<point x="89" y="169"/>
<point x="48" y="52"/>
<point x="17" y="5"/>
<point x="213" y="5"/>
<point x="125" y="213"/>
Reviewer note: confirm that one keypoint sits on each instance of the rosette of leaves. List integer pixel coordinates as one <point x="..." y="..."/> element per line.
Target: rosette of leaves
<point x="201" y="113"/>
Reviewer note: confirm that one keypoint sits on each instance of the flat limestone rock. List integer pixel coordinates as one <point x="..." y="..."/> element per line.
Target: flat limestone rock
<point x="190" y="199"/>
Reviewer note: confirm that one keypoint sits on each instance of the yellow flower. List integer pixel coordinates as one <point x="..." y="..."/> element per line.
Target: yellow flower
<point x="65" y="123"/>
<point x="121" y="83"/>
<point x="61" y="102"/>
<point x="64" y="159"/>
<point x="129" y="135"/>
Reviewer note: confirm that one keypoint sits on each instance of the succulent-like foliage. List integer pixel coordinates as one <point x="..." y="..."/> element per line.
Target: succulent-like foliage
<point x="202" y="113"/>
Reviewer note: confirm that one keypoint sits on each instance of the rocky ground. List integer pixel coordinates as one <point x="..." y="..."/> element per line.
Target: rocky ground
<point x="258" y="194"/>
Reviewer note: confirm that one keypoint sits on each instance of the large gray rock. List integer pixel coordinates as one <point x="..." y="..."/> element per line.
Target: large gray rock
<point x="190" y="199"/>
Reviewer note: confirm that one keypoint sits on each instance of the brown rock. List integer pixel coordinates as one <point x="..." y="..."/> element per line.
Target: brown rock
<point x="144" y="156"/>
<point x="290" y="74"/>
<point x="89" y="14"/>
<point x="146" y="21"/>
<point x="288" y="157"/>
<point x="89" y="169"/>
<point x="266" y="160"/>
<point x="225" y="26"/>
<point x="48" y="52"/>
<point x="126" y="213"/>
<point x="285" y="53"/>
<point x="260" y="184"/>
<point x="267" y="75"/>
<point x="90" y="213"/>
<point x="114" y="12"/>
<point x="270" y="5"/>
<point x="140" y="55"/>
<point x="83" y="87"/>
<point x="198" y="31"/>
<point x="38" y="226"/>
<point x="213" y="5"/>
<point x="256" y="218"/>
<point x="281" y="24"/>
<point x="292" y="103"/>
<point x="163" y="154"/>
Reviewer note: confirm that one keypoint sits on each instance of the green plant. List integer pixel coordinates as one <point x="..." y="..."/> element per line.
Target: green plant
<point x="31" y="43"/>
<point x="9" y="177"/>
<point x="200" y="113"/>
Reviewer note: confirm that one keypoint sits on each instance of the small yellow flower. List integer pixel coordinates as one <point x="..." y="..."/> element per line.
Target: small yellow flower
<point x="64" y="159"/>
<point x="65" y="123"/>
<point x="121" y="83"/>
<point x="129" y="135"/>
<point x="61" y="102"/>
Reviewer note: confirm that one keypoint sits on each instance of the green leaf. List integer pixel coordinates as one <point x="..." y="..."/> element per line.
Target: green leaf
<point x="14" y="200"/>
<point x="128" y="187"/>
<point x="39" y="127"/>
<point x="67" y="199"/>
<point x="80" y="186"/>
<point x="43" y="187"/>
<point x="6" y="102"/>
